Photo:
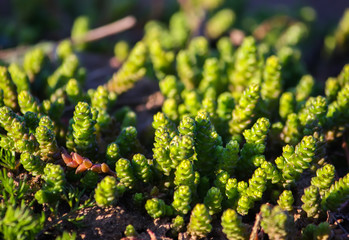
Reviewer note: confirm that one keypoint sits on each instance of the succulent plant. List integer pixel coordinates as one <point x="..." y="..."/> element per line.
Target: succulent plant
<point x="200" y="221"/>
<point x="237" y="128"/>
<point x="106" y="192"/>
<point x="232" y="225"/>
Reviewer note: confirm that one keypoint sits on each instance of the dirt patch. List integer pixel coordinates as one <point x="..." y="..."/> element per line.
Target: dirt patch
<point x="110" y="223"/>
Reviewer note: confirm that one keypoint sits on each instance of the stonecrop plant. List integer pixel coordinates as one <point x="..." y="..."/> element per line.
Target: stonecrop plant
<point x="243" y="131"/>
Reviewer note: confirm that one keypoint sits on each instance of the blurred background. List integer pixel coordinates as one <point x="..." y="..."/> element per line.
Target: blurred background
<point x="319" y="28"/>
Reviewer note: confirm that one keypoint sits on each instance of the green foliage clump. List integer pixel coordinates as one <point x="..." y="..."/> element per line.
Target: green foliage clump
<point x="20" y="223"/>
<point x="287" y="104"/>
<point x="311" y="200"/>
<point x="231" y="191"/>
<point x="181" y="148"/>
<point x="228" y="156"/>
<point x="32" y="163"/>
<point x="232" y="225"/>
<point x="184" y="174"/>
<point x="161" y="149"/>
<point x="112" y="154"/>
<point x="8" y="88"/>
<point x="142" y="168"/>
<point x="286" y="200"/>
<point x="304" y="88"/>
<point x="200" y="221"/>
<point x="47" y="142"/>
<point x="246" y="72"/>
<point x="130" y="231"/>
<point x="182" y="198"/>
<point x="162" y="61"/>
<point x="321" y="231"/>
<point x="125" y="173"/>
<point x="324" y="178"/>
<point x="337" y="194"/>
<point x="178" y="224"/>
<point x="84" y="129"/>
<point x="74" y="91"/>
<point x="291" y="130"/>
<point x="106" y="192"/>
<point x="272" y="84"/>
<point x="206" y="141"/>
<point x="131" y="71"/>
<point x="213" y="201"/>
<point x="127" y="141"/>
<point x="54" y="183"/>
<point x="244" y="110"/>
<point x="254" y="191"/>
<point x="121" y="50"/>
<point x="19" y="77"/>
<point x="277" y="223"/>
<point x="27" y="102"/>
<point x="211" y="73"/>
<point x="34" y="64"/>
<point x="255" y="143"/>
<point x="79" y="29"/>
<point x="67" y="70"/>
<point x="64" y="49"/>
<point x="294" y="161"/>
<point x="187" y="71"/>
<point x="337" y="110"/>
<point x="157" y="208"/>
<point x="220" y="23"/>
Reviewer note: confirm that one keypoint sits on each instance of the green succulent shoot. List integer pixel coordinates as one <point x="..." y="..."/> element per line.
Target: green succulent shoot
<point x="200" y="222"/>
